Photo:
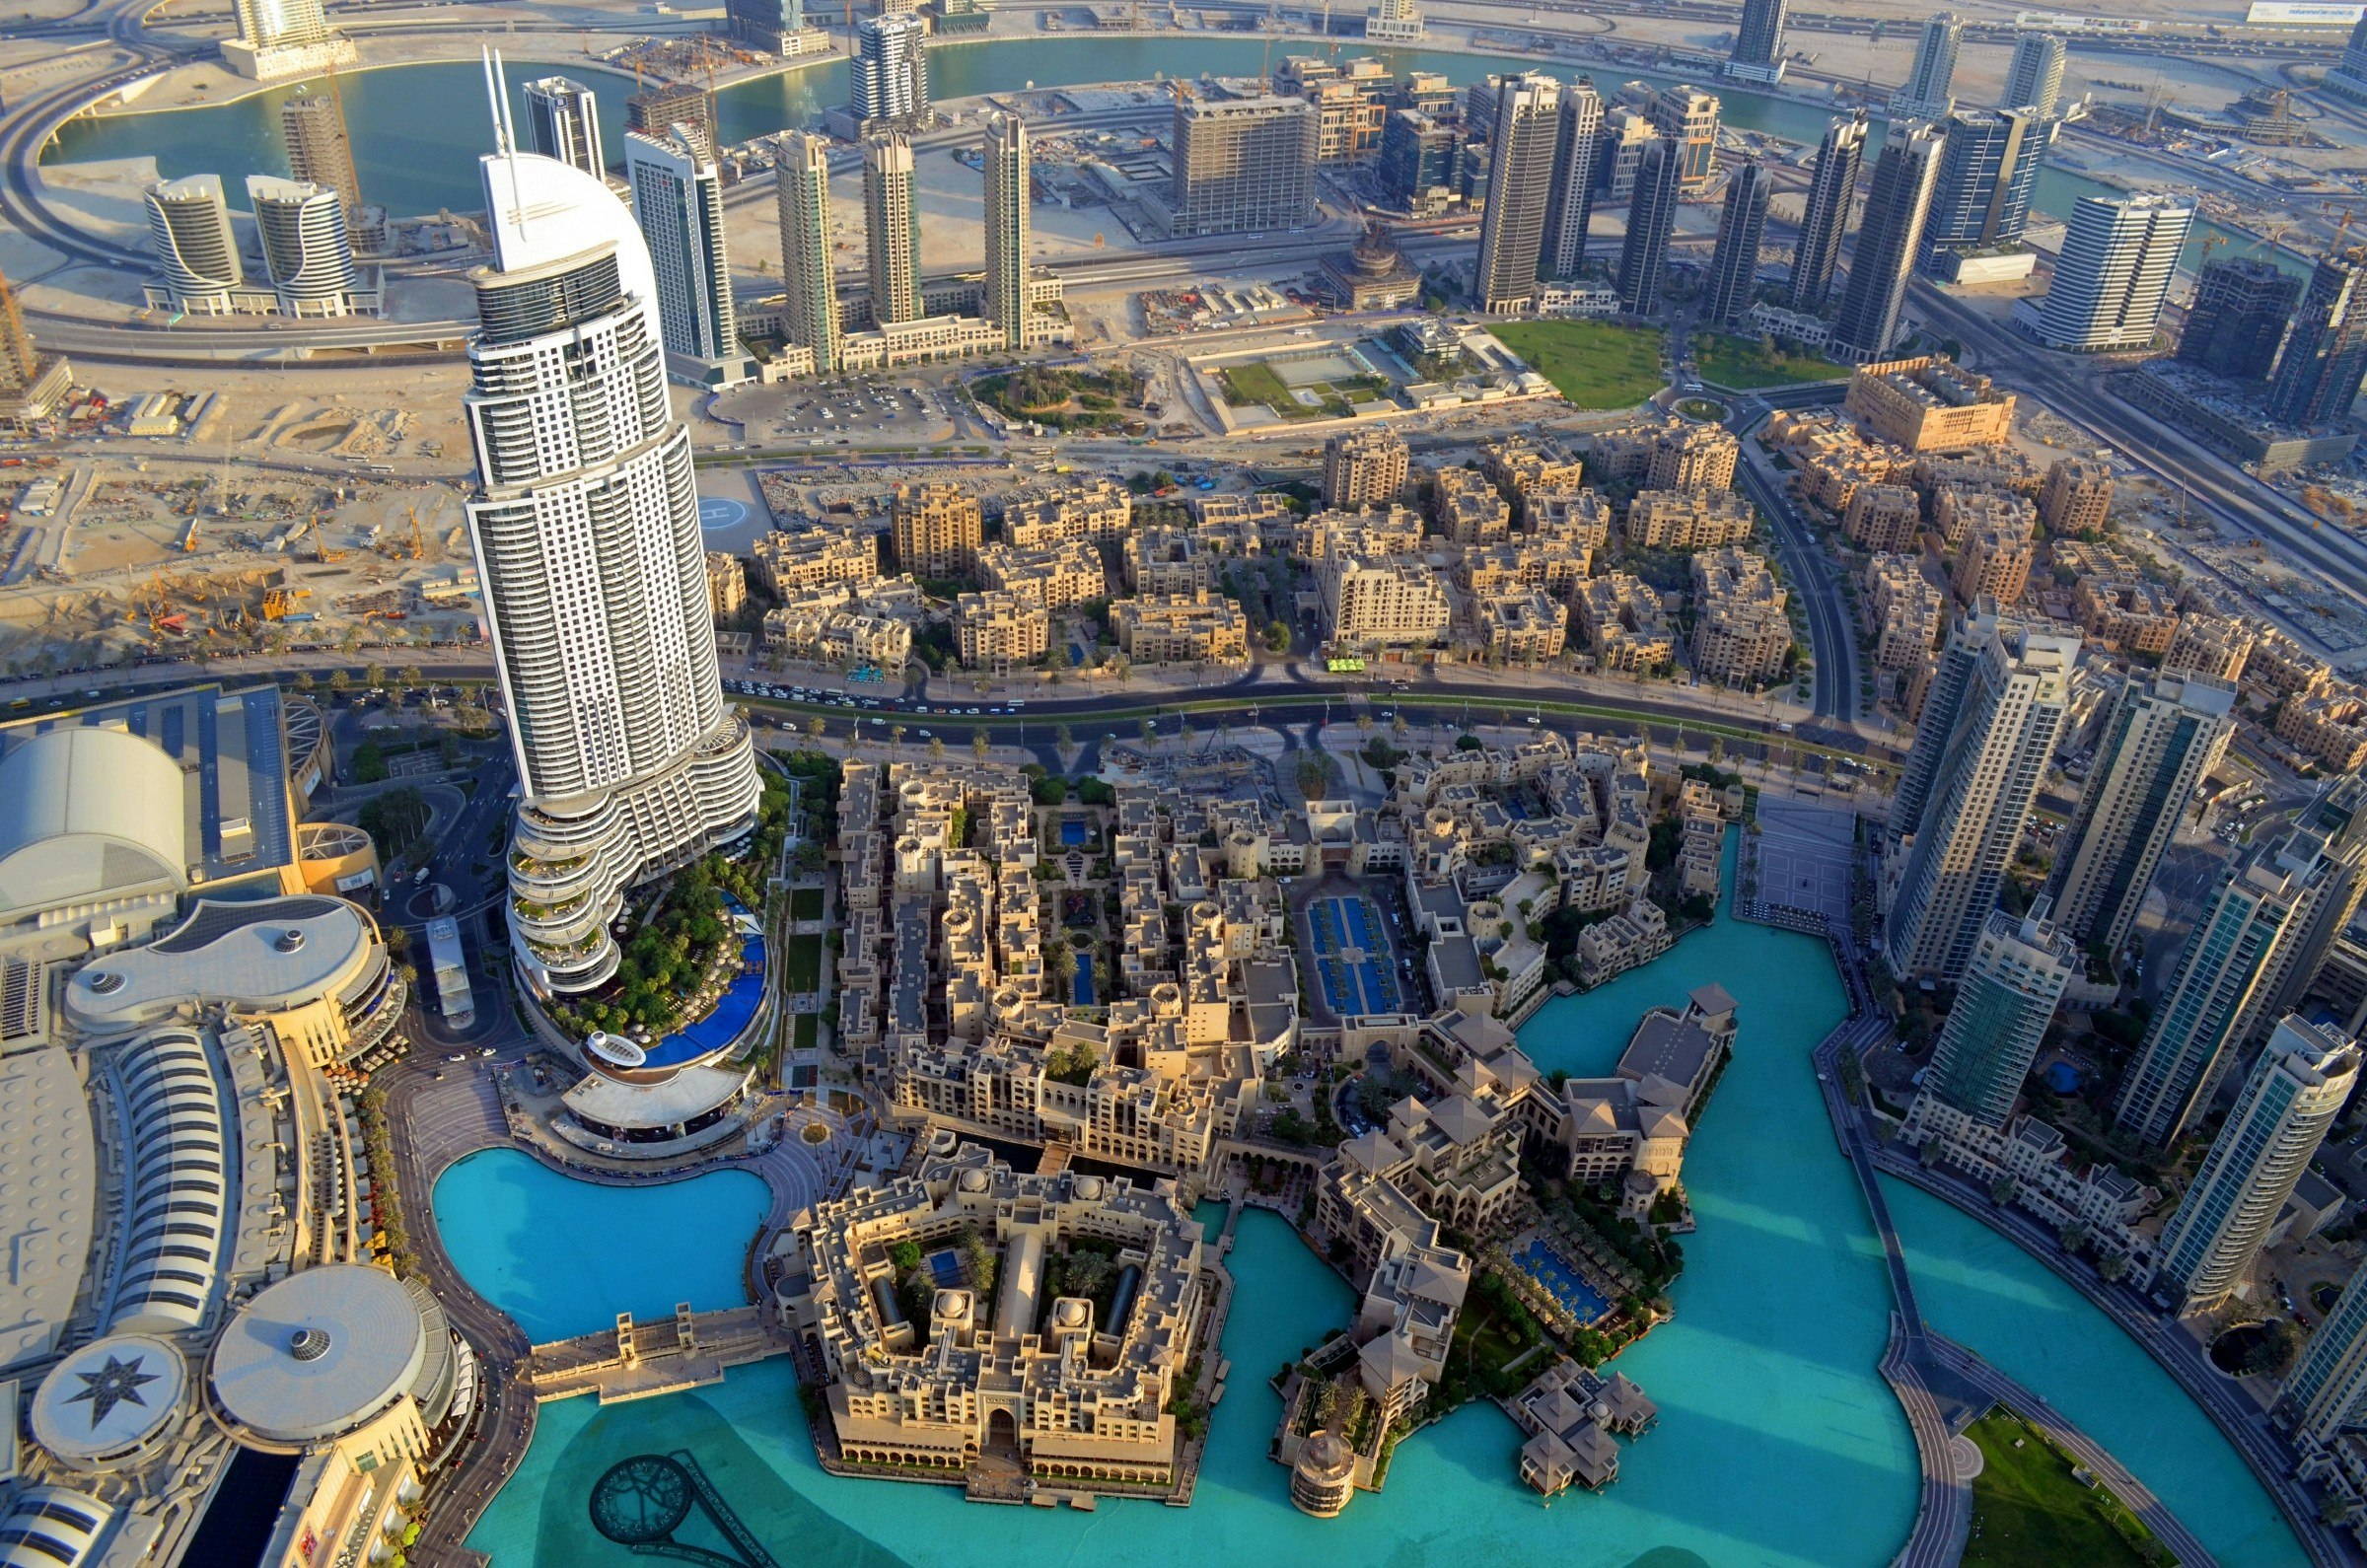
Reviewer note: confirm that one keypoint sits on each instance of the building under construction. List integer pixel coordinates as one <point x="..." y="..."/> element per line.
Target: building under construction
<point x="33" y="385"/>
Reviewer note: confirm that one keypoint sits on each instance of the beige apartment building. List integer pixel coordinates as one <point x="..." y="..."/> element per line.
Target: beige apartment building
<point x="1468" y="508"/>
<point x="1625" y="626"/>
<point x="1741" y="632"/>
<point x="937" y="528"/>
<point x="1199" y="627"/>
<point x="1392" y="600"/>
<point x="2077" y="497"/>
<point x="784" y="563"/>
<point x="1697" y="457"/>
<point x="1058" y="574"/>
<point x="1099" y="510"/>
<point x="1160" y="561"/>
<point x="1580" y="516"/>
<point x="1000" y="631"/>
<point x="727" y="583"/>
<point x="1376" y="531"/>
<point x="2329" y="725"/>
<point x="1522" y="627"/>
<point x="1366" y="468"/>
<point x="1929" y="405"/>
<point x="1994" y="563"/>
<point x="1904" y="609"/>
<point x="1959" y="512"/>
<point x="1690" y="520"/>
<point x="2126" y="616"/>
<point x="1515" y="466"/>
<point x="2214" y="646"/>
<point x="1884" y="518"/>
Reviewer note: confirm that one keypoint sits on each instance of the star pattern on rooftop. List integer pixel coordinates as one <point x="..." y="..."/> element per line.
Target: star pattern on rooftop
<point x="112" y="1384"/>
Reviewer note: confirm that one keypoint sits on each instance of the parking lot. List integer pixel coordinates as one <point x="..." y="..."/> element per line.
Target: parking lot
<point x="816" y="414"/>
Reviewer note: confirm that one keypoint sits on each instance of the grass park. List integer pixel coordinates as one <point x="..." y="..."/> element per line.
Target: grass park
<point x="1256" y="382"/>
<point x="1747" y="364"/>
<point x="1592" y="364"/>
<point x="2028" y="1511"/>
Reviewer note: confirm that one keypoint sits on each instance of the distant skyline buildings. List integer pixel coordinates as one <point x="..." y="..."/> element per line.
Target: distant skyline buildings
<point x="1651" y="220"/>
<point x="678" y="200"/>
<point x="562" y="121"/>
<point x="1825" y="217"/>
<point x="1929" y="92"/>
<point x="1758" y="55"/>
<point x="1570" y="204"/>
<point x="2034" y="77"/>
<point x="1886" y="242"/>
<point x="1741" y="230"/>
<point x="889" y="76"/>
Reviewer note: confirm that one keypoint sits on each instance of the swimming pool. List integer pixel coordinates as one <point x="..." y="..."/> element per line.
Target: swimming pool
<point x="1084" y="986"/>
<point x="1072" y="832"/>
<point x="732" y="1012"/>
<point x="1560" y="1281"/>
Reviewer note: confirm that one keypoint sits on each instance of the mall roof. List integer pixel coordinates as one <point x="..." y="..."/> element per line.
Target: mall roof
<point x="217" y="808"/>
<point x="268" y="954"/>
<point x="320" y="1353"/>
<point x="110" y="1397"/>
<point x="49" y="1184"/>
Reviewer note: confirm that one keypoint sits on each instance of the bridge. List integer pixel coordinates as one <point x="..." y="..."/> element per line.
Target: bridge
<point x="639" y="1361"/>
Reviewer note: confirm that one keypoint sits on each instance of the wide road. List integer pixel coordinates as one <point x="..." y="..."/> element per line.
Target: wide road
<point x="1832" y="635"/>
<point x="2070" y="391"/>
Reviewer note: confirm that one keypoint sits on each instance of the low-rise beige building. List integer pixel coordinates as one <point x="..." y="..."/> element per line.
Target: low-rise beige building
<point x="1368" y="468"/>
<point x="1468" y="508"/>
<point x="2214" y="646"/>
<point x="785" y="562"/>
<point x="843" y="627"/>
<point x="2130" y="616"/>
<point x="1905" y="611"/>
<point x="1635" y="936"/>
<point x="2279" y="668"/>
<point x="1373" y="531"/>
<point x="1099" y="509"/>
<point x="1164" y="560"/>
<point x="1929" y="405"/>
<point x="1523" y="627"/>
<point x="1182" y="628"/>
<point x="1000" y="631"/>
<point x="1690" y="520"/>
<point x="2329" y="725"/>
<point x="1741" y="631"/>
<point x="1582" y="517"/>
<point x="1958" y="512"/>
<point x="937" y="528"/>
<point x="1393" y="599"/>
<point x="1059" y="576"/>
<point x="1515" y="465"/>
<point x="1625" y="626"/>
<point x="1697" y="457"/>
<point x="727" y="583"/>
<point x="2077" y="497"/>
<point x="1994" y="563"/>
<point x="1884" y="518"/>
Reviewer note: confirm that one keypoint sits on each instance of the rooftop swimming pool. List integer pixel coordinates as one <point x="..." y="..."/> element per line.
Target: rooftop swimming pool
<point x="564" y="1257"/>
<point x="1778" y="1444"/>
<point x="733" y="1010"/>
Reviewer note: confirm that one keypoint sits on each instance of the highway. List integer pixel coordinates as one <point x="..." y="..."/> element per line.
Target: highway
<point x="2068" y="390"/>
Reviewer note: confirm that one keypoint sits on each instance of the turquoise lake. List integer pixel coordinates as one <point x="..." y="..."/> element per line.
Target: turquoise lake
<point x="418" y="129"/>
<point x="1778" y="1444"/>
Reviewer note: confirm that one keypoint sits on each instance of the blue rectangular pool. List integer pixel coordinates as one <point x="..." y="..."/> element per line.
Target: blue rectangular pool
<point x="1072" y="832"/>
<point x="1561" y="1282"/>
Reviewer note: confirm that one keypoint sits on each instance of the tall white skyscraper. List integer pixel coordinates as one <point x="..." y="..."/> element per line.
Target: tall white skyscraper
<point x="562" y="121"/>
<point x="2278" y="1121"/>
<point x="1989" y="726"/>
<point x="1929" y="92"/>
<point x="2163" y="739"/>
<point x="889" y="74"/>
<point x="890" y="229"/>
<point x="2008" y="997"/>
<point x="585" y="523"/>
<point x="197" y="253"/>
<point x="678" y="199"/>
<point x="1008" y="195"/>
<point x="2033" y="80"/>
<point x="2118" y="256"/>
<point x="1520" y="187"/>
<point x="800" y="173"/>
<point x="2327" y="1389"/>
<point x="305" y="252"/>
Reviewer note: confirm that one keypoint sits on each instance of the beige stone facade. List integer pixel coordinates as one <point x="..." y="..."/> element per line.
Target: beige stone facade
<point x="1625" y="626"/>
<point x="1697" y="457"/>
<point x="1929" y="405"/>
<point x="1884" y="518"/>
<point x="785" y="562"/>
<point x="2127" y="617"/>
<point x="1393" y="599"/>
<point x="1468" y="509"/>
<point x="1200" y="627"/>
<point x="1366" y="468"/>
<point x="1690" y="520"/>
<point x="937" y="528"/>
<point x="1994" y="563"/>
<point x="1059" y="576"/>
<point x="1523" y="627"/>
<point x="2077" y="498"/>
<point x="727" y="583"/>
<point x="1905" y="611"/>
<point x="2214" y="646"/>
<point x="1000" y="631"/>
<point x="1741" y="631"/>
<point x="2329" y="725"/>
<point x="1099" y="510"/>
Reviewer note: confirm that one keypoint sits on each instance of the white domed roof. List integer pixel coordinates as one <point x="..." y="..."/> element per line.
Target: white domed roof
<point x="320" y="1353"/>
<point x="108" y="1398"/>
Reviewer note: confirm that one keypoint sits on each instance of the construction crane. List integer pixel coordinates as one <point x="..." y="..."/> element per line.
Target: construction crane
<point x="321" y="550"/>
<point x="419" y="543"/>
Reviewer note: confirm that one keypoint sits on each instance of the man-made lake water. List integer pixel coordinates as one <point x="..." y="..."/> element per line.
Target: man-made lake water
<point x="1778" y="1442"/>
<point x="418" y="129"/>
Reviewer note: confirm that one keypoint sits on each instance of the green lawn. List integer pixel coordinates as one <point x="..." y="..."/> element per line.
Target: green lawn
<point x="1257" y="381"/>
<point x="1592" y="364"/>
<point x="807" y="1026"/>
<point x="1747" y="363"/>
<point x="805" y="964"/>
<point x="804" y="904"/>
<point x="2030" y="1512"/>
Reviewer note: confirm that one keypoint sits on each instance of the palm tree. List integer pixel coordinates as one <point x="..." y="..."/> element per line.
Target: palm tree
<point x="816" y="728"/>
<point x="303" y="680"/>
<point x="978" y="743"/>
<point x="1398" y="726"/>
<point x="414" y="676"/>
<point x="895" y="735"/>
<point x="935" y="750"/>
<point x="1060" y="736"/>
<point x="374" y="676"/>
<point x="1150" y="730"/>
